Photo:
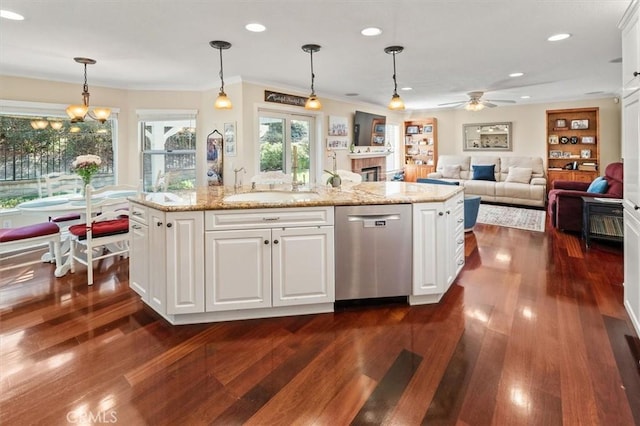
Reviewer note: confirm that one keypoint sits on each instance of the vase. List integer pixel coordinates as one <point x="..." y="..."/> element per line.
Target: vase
<point x="86" y="180"/>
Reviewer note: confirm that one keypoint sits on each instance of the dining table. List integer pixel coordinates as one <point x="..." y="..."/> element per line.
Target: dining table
<point x="56" y="205"/>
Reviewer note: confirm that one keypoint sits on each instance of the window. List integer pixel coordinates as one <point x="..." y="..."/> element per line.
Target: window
<point x="168" y="141"/>
<point x="279" y="134"/>
<point x="394" y="143"/>
<point x="35" y="140"/>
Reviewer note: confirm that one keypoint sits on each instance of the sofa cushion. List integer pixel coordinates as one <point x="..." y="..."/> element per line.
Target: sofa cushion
<point x="455" y="160"/>
<point x="484" y="172"/>
<point x="101" y="229"/>
<point x="519" y="174"/>
<point x="437" y="181"/>
<point x="598" y="186"/>
<point x="451" y="171"/>
<point x="28" y="231"/>
<point x="508" y="161"/>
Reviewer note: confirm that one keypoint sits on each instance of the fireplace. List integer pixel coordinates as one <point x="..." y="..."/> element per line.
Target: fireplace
<point x="370" y="174"/>
<point x="371" y="168"/>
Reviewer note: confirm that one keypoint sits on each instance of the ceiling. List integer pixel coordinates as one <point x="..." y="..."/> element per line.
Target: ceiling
<point x="451" y="47"/>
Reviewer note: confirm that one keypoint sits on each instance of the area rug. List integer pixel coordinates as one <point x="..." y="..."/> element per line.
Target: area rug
<point x="512" y="217"/>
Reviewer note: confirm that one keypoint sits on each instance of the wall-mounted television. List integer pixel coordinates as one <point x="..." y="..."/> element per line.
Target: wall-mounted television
<point x="368" y="129"/>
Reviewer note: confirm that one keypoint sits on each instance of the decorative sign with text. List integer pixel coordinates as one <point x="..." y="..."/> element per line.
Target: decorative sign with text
<point x="283" y="98"/>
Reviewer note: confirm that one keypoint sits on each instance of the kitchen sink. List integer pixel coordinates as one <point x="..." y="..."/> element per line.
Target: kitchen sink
<point x="272" y="197"/>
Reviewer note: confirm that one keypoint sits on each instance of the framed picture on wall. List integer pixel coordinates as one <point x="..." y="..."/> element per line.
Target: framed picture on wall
<point x="230" y="139"/>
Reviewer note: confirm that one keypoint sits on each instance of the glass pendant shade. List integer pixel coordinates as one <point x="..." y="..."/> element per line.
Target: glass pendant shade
<point x="101" y="114"/>
<point x="313" y="103"/>
<point x="39" y="124"/>
<point x="396" y="103"/>
<point x="474" y="106"/>
<point x="56" y="125"/>
<point x="223" y="101"/>
<point x="77" y="112"/>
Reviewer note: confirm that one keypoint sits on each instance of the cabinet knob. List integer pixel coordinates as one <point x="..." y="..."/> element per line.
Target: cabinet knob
<point x="636" y="73"/>
<point x="448" y="211"/>
<point x="636" y="207"/>
<point x="169" y="225"/>
<point x="440" y="213"/>
<point x="275" y="241"/>
<point x="159" y="223"/>
<point x="266" y="242"/>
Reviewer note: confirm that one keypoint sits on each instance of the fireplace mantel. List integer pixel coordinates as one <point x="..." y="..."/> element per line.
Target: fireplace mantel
<point x="374" y="154"/>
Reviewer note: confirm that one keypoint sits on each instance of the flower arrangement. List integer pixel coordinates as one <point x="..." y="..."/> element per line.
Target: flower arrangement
<point x="86" y="166"/>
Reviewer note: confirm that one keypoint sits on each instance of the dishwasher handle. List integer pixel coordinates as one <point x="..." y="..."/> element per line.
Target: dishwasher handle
<point x="373" y="220"/>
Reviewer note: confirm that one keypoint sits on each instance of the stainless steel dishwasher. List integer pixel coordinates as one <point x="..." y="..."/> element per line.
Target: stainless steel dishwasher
<point x="373" y="251"/>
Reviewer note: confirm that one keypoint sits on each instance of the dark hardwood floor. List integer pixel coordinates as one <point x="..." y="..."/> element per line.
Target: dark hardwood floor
<point x="533" y="332"/>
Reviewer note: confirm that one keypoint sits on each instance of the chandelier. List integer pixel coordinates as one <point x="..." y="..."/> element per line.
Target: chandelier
<point x="77" y="113"/>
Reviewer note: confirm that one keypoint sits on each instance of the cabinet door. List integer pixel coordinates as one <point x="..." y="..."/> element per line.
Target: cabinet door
<point x="630" y="55"/>
<point x="423" y="171"/>
<point x="630" y="151"/>
<point x="157" y="262"/>
<point x="185" y="257"/>
<point x="238" y="269"/>
<point x="303" y="266"/>
<point x="138" y="259"/>
<point x="429" y="252"/>
<point x="632" y="268"/>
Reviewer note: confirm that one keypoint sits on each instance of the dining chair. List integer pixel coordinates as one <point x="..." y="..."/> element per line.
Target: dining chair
<point x="62" y="183"/>
<point x="13" y="241"/>
<point x="105" y="232"/>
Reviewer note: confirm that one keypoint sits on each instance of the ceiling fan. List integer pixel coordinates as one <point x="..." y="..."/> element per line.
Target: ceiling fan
<point x="475" y="103"/>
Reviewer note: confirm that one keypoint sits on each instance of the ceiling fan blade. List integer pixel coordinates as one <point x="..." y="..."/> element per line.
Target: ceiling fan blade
<point x="453" y="103"/>
<point x="501" y="100"/>
<point x="488" y="104"/>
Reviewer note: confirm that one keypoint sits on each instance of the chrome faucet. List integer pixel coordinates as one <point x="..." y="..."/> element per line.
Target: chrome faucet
<point x="237" y="183"/>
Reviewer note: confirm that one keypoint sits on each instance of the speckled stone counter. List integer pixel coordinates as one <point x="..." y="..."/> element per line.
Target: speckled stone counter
<point x="366" y="193"/>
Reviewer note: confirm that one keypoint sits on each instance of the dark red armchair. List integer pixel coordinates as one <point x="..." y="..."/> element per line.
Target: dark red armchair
<point x="565" y="198"/>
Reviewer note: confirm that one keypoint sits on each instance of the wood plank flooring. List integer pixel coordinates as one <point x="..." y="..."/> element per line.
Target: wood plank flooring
<point x="533" y="332"/>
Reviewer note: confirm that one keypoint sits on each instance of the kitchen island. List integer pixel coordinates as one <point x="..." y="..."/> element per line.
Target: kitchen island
<point x="217" y="254"/>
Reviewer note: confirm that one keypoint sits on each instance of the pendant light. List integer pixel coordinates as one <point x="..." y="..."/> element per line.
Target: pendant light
<point x="312" y="101"/>
<point x="77" y="113"/>
<point x="222" y="101"/>
<point x="396" y="102"/>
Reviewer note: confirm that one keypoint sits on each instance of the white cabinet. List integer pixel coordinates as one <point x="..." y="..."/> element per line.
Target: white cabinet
<point x="238" y="269"/>
<point x="630" y="50"/>
<point x="166" y="258"/>
<point x="438" y="247"/>
<point x="303" y="266"/>
<point x="630" y="153"/>
<point x="263" y="258"/>
<point x="632" y="268"/>
<point x="138" y="250"/>
<point x="185" y="256"/>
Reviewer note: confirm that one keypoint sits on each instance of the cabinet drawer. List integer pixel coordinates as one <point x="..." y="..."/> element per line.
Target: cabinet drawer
<point x="138" y="213"/>
<point x="268" y="218"/>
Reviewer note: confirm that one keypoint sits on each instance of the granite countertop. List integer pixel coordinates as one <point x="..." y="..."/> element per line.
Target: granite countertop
<point x="213" y="198"/>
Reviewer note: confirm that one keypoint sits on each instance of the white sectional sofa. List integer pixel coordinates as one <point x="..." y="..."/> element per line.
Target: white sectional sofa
<point x="518" y="180"/>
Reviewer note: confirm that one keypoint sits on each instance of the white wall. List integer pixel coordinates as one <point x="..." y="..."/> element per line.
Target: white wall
<point x="529" y="133"/>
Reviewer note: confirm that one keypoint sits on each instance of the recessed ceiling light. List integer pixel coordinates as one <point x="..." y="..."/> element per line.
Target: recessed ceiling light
<point x="371" y="31"/>
<point x="406" y="89"/>
<point x="254" y="27"/>
<point x="525" y="97"/>
<point x="516" y="74"/>
<point x="7" y="14"/>
<point x="558" y="37"/>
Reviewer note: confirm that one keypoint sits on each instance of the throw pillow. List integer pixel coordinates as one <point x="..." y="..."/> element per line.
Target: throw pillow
<point x="451" y="172"/>
<point x="598" y="186"/>
<point x="519" y="174"/>
<point x="436" y="181"/>
<point x="484" y="172"/>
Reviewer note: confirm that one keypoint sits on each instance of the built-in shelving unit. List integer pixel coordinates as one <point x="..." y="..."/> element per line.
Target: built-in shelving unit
<point x="573" y="140"/>
<point x="420" y="148"/>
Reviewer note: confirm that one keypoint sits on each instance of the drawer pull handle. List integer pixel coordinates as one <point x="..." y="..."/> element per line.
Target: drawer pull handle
<point x="271" y="219"/>
<point x="460" y="220"/>
<point x="136" y="226"/>
<point x="461" y="262"/>
<point x="460" y="201"/>
<point x="460" y="241"/>
<point x="135" y="213"/>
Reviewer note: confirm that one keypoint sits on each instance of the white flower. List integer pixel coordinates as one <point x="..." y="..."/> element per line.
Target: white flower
<point x="85" y="160"/>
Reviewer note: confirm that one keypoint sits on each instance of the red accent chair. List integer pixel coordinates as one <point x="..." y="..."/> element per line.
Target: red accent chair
<point x="565" y="198"/>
